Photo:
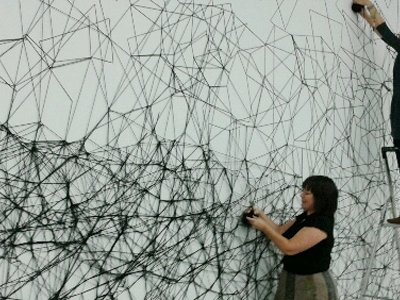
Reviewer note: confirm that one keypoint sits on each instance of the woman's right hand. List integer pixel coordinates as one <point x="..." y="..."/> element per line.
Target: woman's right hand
<point x="362" y="2"/>
<point x="258" y="212"/>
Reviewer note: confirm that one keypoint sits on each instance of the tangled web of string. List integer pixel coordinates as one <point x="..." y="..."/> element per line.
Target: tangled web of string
<point x="133" y="136"/>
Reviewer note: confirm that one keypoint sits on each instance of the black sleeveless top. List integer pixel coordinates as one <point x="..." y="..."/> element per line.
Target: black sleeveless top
<point x="393" y="41"/>
<point x="317" y="258"/>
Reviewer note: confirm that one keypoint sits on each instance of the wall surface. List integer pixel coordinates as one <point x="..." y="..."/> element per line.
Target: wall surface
<point x="134" y="133"/>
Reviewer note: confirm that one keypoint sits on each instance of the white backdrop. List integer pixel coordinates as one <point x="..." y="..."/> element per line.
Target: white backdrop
<point x="134" y="133"/>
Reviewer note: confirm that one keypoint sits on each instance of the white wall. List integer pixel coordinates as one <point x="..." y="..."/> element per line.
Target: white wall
<point x="135" y="132"/>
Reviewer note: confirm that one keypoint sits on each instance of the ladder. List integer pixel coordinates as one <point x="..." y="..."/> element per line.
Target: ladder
<point x="382" y="223"/>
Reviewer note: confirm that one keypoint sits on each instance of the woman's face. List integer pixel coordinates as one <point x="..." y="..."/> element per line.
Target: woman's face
<point x="307" y="201"/>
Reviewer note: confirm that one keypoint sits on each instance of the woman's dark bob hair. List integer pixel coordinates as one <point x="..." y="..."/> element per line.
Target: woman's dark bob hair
<point x="325" y="194"/>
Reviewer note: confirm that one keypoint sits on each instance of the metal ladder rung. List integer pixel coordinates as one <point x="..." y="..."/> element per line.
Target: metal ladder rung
<point x="372" y="258"/>
<point x="374" y="297"/>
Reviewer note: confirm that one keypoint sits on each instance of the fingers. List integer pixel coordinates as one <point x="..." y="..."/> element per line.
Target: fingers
<point x="361" y="2"/>
<point x="251" y="220"/>
<point x="248" y="210"/>
<point x="254" y="212"/>
<point x="255" y="222"/>
<point x="258" y="211"/>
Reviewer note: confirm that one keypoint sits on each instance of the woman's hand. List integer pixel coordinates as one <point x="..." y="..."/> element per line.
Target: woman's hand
<point x="260" y="220"/>
<point x="257" y="221"/>
<point x="258" y="212"/>
<point x="362" y="2"/>
<point x="371" y="15"/>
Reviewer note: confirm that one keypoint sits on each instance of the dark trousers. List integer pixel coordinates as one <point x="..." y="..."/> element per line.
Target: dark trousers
<point x="397" y="144"/>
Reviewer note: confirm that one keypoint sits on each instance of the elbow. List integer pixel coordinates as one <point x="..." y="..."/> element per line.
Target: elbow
<point x="289" y="250"/>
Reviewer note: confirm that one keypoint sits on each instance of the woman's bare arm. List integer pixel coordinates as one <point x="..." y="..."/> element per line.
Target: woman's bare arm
<point x="373" y="18"/>
<point x="306" y="238"/>
<point x="279" y="228"/>
<point x="282" y="228"/>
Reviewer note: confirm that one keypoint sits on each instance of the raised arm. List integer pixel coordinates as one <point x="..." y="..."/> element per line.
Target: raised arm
<point x="279" y="228"/>
<point x="370" y="13"/>
<point x="306" y="238"/>
<point x="376" y="21"/>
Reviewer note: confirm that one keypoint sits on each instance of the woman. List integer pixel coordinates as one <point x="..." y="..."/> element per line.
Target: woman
<point x="375" y="20"/>
<point x="306" y="242"/>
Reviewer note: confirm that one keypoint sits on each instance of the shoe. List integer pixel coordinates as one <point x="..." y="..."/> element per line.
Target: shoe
<point x="394" y="221"/>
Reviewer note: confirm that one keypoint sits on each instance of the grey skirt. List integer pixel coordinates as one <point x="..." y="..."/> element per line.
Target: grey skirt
<point x="318" y="286"/>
